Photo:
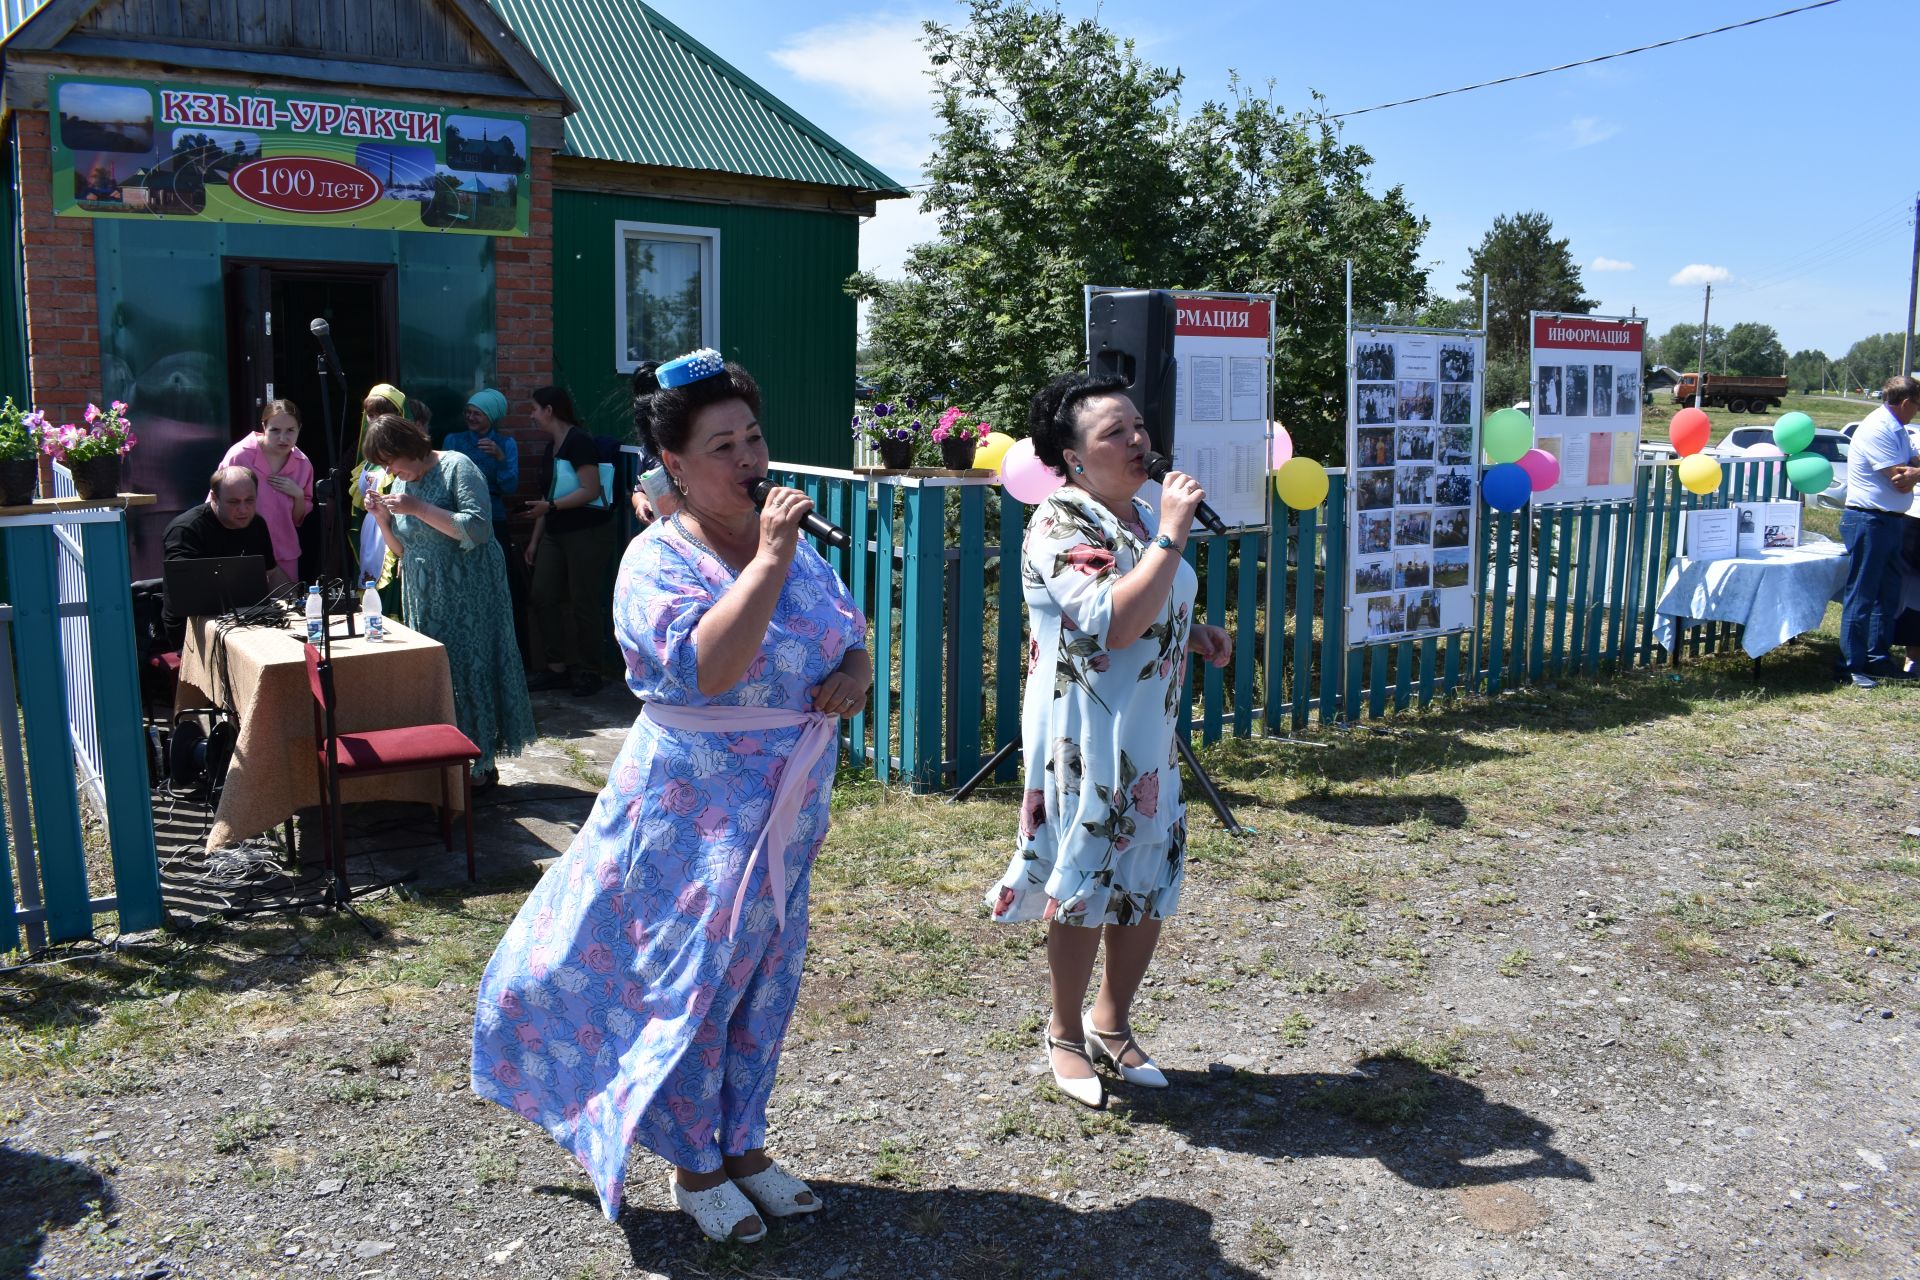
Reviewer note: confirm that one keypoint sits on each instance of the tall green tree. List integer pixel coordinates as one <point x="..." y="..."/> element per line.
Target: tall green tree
<point x="1680" y="347"/>
<point x="1871" y="361"/>
<point x="1526" y="269"/>
<point x="1807" y="370"/>
<point x="1752" y="350"/>
<point x="1063" y="159"/>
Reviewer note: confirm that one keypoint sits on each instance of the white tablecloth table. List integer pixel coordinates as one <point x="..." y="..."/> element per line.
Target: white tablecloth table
<point x="1776" y="595"/>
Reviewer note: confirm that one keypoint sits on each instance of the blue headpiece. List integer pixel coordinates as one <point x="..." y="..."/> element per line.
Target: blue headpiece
<point x="692" y="367"/>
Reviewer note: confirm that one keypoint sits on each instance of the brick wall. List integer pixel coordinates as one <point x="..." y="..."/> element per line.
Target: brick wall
<point x="62" y="302"/>
<point x="523" y="303"/>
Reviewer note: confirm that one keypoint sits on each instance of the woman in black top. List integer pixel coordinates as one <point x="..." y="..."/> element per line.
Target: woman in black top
<point x="570" y="551"/>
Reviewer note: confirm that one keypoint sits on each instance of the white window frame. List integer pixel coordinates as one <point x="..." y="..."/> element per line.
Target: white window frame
<point x="708" y="238"/>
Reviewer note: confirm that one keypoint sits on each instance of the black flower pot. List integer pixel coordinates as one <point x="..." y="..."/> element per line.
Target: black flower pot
<point x="896" y="455"/>
<point x="96" y="477"/>
<point x="17" y="477"/>
<point x="956" y="452"/>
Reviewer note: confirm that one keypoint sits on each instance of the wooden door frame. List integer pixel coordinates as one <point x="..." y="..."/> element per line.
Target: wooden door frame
<point x="256" y="351"/>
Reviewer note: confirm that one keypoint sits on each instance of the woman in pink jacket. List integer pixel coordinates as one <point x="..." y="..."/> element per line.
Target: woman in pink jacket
<point x="284" y="476"/>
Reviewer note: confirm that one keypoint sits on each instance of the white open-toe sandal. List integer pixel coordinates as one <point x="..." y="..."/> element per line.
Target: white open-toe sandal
<point x="1146" y="1075"/>
<point x="717" y="1211"/>
<point x="778" y="1192"/>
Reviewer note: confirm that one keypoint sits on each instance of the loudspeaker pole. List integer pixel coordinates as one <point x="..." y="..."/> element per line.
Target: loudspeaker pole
<point x="1913" y="298"/>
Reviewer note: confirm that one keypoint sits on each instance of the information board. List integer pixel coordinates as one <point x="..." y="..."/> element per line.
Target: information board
<point x="1413" y="448"/>
<point x="129" y="149"/>
<point x="1587" y="403"/>
<point x="1223" y="356"/>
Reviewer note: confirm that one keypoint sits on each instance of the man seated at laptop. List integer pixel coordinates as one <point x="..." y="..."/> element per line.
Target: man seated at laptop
<point x="224" y="526"/>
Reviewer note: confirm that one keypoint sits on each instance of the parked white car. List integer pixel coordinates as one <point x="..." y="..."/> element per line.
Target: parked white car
<point x="1828" y="443"/>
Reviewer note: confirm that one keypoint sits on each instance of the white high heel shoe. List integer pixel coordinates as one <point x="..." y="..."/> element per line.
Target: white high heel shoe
<point x="1146" y="1075"/>
<point x="1088" y="1091"/>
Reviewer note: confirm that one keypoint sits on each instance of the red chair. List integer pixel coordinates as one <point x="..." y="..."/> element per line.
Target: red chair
<point x="363" y="755"/>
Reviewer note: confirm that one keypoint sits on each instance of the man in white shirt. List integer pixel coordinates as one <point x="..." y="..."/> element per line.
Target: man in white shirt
<point x="1882" y="470"/>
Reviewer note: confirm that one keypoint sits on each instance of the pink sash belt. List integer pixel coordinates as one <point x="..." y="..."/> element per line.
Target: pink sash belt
<point x="821" y="731"/>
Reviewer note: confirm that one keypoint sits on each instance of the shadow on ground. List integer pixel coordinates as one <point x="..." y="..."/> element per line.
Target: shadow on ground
<point x="1426" y="1127"/>
<point x="40" y="1194"/>
<point x="942" y="1233"/>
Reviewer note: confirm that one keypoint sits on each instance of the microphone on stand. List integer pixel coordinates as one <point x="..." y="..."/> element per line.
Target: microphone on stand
<point x="828" y="532"/>
<point x="323" y="334"/>
<point x="1157" y="468"/>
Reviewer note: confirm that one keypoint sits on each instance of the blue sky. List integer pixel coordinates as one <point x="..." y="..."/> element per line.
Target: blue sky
<point x="1768" y="160"/>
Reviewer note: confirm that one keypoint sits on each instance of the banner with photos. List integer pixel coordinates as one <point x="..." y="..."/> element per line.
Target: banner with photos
<point x="1413" y="453"/>
<point x="1587" y="397"/>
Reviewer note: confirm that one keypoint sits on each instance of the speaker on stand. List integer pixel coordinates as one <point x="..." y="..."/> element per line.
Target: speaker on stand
<point x="1130" y="336"/>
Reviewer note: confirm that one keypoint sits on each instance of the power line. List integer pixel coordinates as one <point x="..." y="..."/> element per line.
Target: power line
<point x="1584" y="62"/>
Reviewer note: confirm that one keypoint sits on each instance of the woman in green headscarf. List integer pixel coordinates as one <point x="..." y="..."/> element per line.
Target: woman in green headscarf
<point x="376" y="563"/>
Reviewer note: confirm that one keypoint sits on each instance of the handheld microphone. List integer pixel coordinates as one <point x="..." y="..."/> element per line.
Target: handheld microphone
<point x="1157" y="468"/>
<point x="323" y="334"/>
<point x="827" y="532"/>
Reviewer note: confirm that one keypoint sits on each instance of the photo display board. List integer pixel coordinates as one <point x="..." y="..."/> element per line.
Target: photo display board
<point x="1413" y="452"/>
<point x="220" y="153"/>
<point x="1587" y="403"/>
<point x="1223" y="352"/>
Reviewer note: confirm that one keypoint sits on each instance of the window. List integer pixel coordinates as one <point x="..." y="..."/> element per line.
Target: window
<point x="667" y="299"/>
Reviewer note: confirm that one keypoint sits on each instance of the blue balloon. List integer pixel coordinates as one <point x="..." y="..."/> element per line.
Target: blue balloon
<point x="1506" y="487"/>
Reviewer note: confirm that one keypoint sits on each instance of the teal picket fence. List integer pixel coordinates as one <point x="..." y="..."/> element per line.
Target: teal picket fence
<point x="1563" y="592"/>
<point x="68" y="667"/>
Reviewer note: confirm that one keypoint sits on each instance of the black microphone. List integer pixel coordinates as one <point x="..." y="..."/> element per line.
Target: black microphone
<point x="323" y="334"/>
<point x="827" y="532"/>
<point x="1157" y="468"/>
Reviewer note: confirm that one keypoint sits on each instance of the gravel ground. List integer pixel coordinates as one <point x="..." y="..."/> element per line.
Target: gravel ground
<point x="1653" y="1040"/>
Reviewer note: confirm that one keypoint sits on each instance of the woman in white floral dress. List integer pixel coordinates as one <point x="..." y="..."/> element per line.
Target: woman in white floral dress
<point x="1102" y="828"/>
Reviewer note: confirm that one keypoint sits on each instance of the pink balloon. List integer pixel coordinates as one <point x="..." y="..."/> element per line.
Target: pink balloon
<point x="1765" y="449"/>
<point x="1542" y="468"/>
<point x="1025" y="476"/>
<point x="1282" y="448"/>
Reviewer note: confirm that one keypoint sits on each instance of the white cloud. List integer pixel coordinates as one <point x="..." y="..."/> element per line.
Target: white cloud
<point x="1699" y="273"/>
<point x="1585" y="131"/>
<point x="876" y="62"/>
<point x="1609" y="264"/>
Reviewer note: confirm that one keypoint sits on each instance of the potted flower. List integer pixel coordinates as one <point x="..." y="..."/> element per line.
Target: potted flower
<point x="958" y="438"/>
<point x="892" y="431"/>
<point x="20" y="434"/>
<point x="92" y="453"/>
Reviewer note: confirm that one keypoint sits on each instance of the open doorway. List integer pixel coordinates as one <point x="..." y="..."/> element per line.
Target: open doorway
<point x="270" y="310"/>
<point x="271" y="307"/>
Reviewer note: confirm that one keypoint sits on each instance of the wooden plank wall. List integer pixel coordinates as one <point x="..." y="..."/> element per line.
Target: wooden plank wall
<point x="419" y="32"/>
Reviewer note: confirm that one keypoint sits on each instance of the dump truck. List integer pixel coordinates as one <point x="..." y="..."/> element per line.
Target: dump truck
<point x="1729" y="391"/>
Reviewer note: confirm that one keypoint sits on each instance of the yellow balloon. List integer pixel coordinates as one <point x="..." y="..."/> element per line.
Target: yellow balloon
<point x="1301" y="483"/>
<point x="992" y="447"/>
<point x="1699" y="473"/>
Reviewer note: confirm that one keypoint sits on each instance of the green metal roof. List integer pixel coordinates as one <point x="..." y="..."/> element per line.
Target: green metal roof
<point x="646" y="92"/>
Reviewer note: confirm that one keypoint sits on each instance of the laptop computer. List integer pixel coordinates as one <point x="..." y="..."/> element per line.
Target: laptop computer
<point x="208" y="588"/>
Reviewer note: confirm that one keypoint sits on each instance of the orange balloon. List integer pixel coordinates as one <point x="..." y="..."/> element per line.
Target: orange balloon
<point x="1689" y="431"/>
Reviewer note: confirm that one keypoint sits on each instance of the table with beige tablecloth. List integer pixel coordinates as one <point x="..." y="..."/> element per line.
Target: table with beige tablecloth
<point x="260" y="674"/>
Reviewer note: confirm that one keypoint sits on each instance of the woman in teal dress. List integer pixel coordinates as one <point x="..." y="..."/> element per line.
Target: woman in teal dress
<point x="438" y="522"/>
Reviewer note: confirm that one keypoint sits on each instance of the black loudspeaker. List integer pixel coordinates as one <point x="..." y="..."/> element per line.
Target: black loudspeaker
<point x="1130" y="336"/>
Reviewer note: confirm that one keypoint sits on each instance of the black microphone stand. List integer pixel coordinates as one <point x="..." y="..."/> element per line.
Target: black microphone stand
<point x="1215" y="801"/>
<point x="340" y="530"/>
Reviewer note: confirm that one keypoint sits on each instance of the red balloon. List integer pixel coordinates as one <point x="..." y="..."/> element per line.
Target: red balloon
<point x="1689" y="431"/>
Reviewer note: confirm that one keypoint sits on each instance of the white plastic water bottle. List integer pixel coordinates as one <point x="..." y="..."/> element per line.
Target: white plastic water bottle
<point x="371" y="614"/>
<point x="316" y="616"/>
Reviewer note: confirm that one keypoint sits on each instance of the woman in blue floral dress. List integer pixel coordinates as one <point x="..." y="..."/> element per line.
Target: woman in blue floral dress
<point x="1102" y="828"/>
<point x="643" y="992"/>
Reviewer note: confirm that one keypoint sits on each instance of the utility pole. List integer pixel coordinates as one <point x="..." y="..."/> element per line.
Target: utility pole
<point x="1913" y="297"/>
<point x="1700" y="385"/>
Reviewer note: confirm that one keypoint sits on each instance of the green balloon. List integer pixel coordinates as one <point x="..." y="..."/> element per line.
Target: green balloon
<point x="1506" y="435"/>
<point x="1793" y="433"/>
<point x="1809" y="472"/>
